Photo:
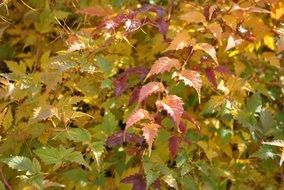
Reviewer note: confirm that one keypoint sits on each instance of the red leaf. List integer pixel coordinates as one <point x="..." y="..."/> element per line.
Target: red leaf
<point x="173" y="145"/>
<point x="173" y="106"/>
<point x="211" y="76"/>
<point x="150" y="88"/>
<point x="150" y="132"/>
<point x="162" y="65"/>
<point x="182" y="127"/>
<point x="134" y="96"/>
<point x="190" y="78"/>
<point x="137" y="116"/>
<point x="138" y="181"/>
<point x="208" y="48"/>
<point x="223" y="69"/>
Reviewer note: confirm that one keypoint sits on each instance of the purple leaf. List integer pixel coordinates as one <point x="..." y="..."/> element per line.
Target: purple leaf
<point x="134" y="96"/>
<point x="223" y="70"/>
<point x="211" y="76"/>
<point x="173" y="145"/>
<point x="117" y="139"/>
<point x="138" y="181"/>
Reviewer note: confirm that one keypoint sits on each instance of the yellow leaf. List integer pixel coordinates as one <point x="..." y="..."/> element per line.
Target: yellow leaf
<point x="271" y="58"/>
<point x="277" y="11"/>
<point x="269" y="42"/>
<point x="8" y="119"/>
<point x="193" y="17"/>
<point x="216" y="30"/>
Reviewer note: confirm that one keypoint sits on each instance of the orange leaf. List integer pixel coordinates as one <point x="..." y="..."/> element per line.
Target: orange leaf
<point x="150" y="132"/>
<point x="150" y="88"/>
<point x="216" y="30"/>
<point x="173" y="106"/>
<point x="190" y="78"/>
<point x="162" y="65"/>
<point x="208" y="49"/>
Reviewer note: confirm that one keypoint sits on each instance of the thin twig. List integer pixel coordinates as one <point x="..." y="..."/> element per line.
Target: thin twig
<point x="5" y="180"/>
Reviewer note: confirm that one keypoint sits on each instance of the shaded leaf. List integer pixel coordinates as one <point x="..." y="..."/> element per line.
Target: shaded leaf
<point x="78" y="135"/>
<point x="190" y="78"/>
<point x="117" y="139"/>
<point x="45" y="112"/>
<point x="149" y="89"/>
<point x="173" y="145"/>
<point x="95" y="11"/>
<point x="173" y="105"/>
<point x="162" y="65"/>
<point x="211" y="76"/>
<point x="138" y="181"/>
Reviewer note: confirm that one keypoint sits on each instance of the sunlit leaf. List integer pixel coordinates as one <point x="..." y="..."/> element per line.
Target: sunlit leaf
<point x="208" y="49"/>
<point x="150" y="132"/>
<point x="149" y="89"/>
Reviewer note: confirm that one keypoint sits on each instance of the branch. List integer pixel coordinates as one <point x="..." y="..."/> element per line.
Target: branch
<point x="3" y="178"/>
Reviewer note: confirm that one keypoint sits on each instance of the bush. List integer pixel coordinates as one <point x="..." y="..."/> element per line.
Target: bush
<point x="141" y="95"/>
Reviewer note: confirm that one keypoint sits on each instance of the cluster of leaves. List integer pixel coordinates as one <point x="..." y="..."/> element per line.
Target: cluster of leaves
<point x="116" y="94"/>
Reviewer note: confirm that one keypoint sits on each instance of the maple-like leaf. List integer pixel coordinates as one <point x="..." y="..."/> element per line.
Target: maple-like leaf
<point x="150" y="88"/>
<point x="138" y="181"/>
<point x="190" y="78"/>
<point x="162" y="65"/>
<point x="137" y="116"/>
<point x="173" y="145"/>
<point x="173" y="106"/>
<point x="150" y="132"/>
<point x="45" y="112"/>
<point x="208" y="48"/>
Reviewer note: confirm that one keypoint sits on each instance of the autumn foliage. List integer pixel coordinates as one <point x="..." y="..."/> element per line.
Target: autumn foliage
<point x="157" y="94"/>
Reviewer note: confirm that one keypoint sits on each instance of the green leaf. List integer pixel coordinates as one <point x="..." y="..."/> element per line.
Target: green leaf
<point x="103" y="64"/>
<point x="98" y="149"/>
<point x="49" y="155"/>
<point x="264" y="152"/>
<point x="78" y="135"/>
<point x="20" y="163"/>
<point x="171" y="181"/>
<point x="254" y="103"/>
<point x="77" y="157"/>
<point x="110" y="124"/>
<point x="151" y="176"/>
<point x="2" y="186"/>
<point x="8" y="119"/>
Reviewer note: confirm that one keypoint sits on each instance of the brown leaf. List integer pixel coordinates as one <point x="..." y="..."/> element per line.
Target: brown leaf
<point x="162" y="65"/>
<point x="95" y="11"/>
<point x="150" y="88"/>
<point x="208" y="48"/>
<point x="190" y="78"/>
<point x="173" y="106"/>
<point x="150" y="132"/>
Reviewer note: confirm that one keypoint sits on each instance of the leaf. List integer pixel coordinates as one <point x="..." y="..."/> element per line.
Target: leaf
<point x="268" y="40"/>
<point x="20" y="163"/>
<point x="7" y="120"/>
<point x="193" y="17"/>
<point x="117" y="139"/>
<point x="216" y="30"/>
<point x="232" y="42"/>
<point x="254" y="103"/>
<point x="110" y="124"/>
<point x="138" y="181"/>
<point x="45" y="112"/>
<point x="95" y="11"/>
<point x="103" y="64"/>
<point x="78" y="135"/>
<point x="149" y="89"/>
<point x="173" y="106"/>
<point x="98" y="149"/>
<point x="150" y="132"/>
<point x="264" y="152"/>
<point x="190" y="118"/>
<point x="211" y="76"/>
<point x="281" y="158"/>
<point x="137" y="116"/>
<point x="279" y="143"/>
<point x="180" y="41"/>
<point x="51" y="155"/>
<point x="272" y="59"/>
<point x="173" y="145"/>
<point x="208" y="48"/>
<point x="190" y="78"/>
<point x="162" y="65"/>
<point x="17" y="68"/>
<point x="171" y="181"/>
<point x="151" y="177"/>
